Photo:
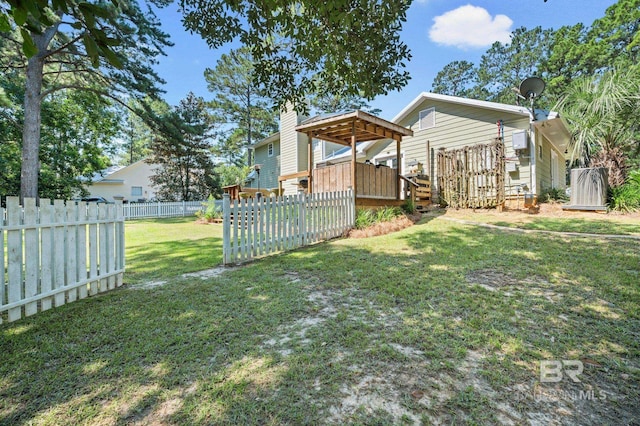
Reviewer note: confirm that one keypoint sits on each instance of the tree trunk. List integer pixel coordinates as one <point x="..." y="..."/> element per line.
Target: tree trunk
<point x="31" y="132"/>
<point x="32" y="105"/>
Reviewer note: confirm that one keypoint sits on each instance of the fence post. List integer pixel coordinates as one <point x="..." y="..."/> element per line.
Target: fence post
<point x="120" y="247"/>
<point x="184" y="208"/>
<point x="352" y="207"/>
<point x="226" y="229"/>
<point x="302" y="199"/>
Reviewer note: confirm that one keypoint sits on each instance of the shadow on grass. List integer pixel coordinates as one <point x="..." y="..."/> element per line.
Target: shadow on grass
<point x="195" y="352"/>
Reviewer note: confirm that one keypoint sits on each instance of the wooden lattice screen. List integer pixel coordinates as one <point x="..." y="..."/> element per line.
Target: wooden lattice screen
<point x="473" y="176"/>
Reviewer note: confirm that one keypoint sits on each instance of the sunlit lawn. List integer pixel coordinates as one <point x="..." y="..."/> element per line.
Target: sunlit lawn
<point x="165" y="248"/>
<point x="440" y="323"/>
<point x="591" y="223"/>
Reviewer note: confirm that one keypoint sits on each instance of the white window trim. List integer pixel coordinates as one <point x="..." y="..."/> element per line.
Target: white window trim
<point x="424" y="113"/>
<point x="270" y="150"/>
<point x="136" y="195"/>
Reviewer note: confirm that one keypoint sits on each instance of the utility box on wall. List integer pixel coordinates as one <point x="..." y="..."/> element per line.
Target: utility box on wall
<point x="519" y="139"/>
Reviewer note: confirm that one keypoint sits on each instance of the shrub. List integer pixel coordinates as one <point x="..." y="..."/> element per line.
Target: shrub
<point x="209" y="210"/>
<point x="626" y="198"/>
<point x="553" y="195"/>
<point x="409" y="206"/>
<point x="367" y="217"/>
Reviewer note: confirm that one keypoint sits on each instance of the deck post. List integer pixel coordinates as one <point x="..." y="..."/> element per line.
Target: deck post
<point x="353" y="157"/>
<point x="398" y="167"/>
<point x="310" y="163"/>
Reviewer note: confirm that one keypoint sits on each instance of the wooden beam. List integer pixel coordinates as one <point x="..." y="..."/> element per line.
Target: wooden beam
<point x="353" y="158"/>
<point x="282" y="178"/>
<point x="327" y="122"/>
<point x="324" y="137"/>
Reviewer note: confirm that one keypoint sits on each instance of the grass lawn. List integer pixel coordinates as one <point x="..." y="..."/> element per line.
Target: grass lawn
<point x="164" y="248"/>
<point x="440" y="323"/>
<point x="555" y="220"/>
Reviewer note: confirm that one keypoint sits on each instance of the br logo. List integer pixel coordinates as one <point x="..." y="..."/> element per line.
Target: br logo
<point x="554" y="371"/>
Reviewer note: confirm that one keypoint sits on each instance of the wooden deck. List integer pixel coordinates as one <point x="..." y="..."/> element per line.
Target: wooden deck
<point x="372" y="182"/>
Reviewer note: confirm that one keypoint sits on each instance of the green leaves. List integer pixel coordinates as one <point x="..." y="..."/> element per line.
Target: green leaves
<point x="92" y="49"/>
<point x="4" y="23"/>
<point x="349" y="47"/>
<point x="28" y="46"/>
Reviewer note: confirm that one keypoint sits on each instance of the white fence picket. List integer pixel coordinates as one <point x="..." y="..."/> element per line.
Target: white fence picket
<point x="70" y="254"/>
<point x="260" y="227"/>
<point x="3" y="282"/>
<point x="92" y="212"/>
<point x="164" y="209"/>
<point x="32" y="255"/>
<point x="14" y="257"/>
<point x="81" y="251"/>
<point x="46" y="253"/>
<point x="46" y="248"/>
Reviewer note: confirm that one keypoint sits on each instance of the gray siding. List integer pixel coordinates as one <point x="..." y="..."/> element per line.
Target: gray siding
<point x="457" y="126"/>
<point x="544" y="166"/>
<point x="270" y="166"/>
<point x="293" y="149"/>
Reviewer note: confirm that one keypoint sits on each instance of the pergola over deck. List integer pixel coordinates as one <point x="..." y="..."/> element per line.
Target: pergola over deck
<point x="349" y="129"/>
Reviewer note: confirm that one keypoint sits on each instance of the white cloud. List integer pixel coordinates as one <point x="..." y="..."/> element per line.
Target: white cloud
<point x="470" y="27"/>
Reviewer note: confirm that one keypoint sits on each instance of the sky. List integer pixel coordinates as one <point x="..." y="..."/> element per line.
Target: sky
<point x="437" y="32"/>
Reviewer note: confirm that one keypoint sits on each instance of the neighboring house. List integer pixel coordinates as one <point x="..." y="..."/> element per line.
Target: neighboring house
<point x="286" y="152"/>
<point x="437" y="121"/>
<point x="131" y="183"/>
<point x="266" y="154"/>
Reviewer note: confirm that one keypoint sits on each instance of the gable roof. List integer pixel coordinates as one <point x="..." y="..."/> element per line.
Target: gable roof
<point x="110" y="174"/>
<point x="341" y="127"/>
<point x="549" y="123"/>
<point x="269" y="139"/>
<point x="495" y="106"/>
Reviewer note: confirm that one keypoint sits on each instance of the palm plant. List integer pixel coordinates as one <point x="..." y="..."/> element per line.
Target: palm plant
<point x="601" y="110"/>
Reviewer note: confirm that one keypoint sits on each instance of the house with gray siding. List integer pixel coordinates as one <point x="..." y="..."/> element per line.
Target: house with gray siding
<point x="266" y="153"/>
<point x="535" y="145"/>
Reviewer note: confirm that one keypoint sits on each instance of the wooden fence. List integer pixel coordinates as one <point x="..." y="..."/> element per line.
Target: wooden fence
<point x="258" y="227"/>
<point x="160" y="209"/>
<point x="473" y="176"/>
<point x="55" y="254"/>
<point x="373" y="181"/>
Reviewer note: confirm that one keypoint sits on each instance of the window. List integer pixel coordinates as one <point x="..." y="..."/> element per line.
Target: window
<point x="270" y="150"/>
<point x="540" y="151"/>
<point x="136" y="191"/>
<point x="427" y="118"/>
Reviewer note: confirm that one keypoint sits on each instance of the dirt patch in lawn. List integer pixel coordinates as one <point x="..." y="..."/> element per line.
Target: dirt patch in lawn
<point x="490" y="279"/>
<point x="382" y="228"/>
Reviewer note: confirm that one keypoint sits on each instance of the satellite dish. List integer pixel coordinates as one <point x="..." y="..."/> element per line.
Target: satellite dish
<point x="531" y="87"/>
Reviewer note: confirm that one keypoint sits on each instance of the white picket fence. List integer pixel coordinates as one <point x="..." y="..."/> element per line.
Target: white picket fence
<point x="56" y="254"/>
<point x="258" y="227"/>
<point x="163" y="209"/>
